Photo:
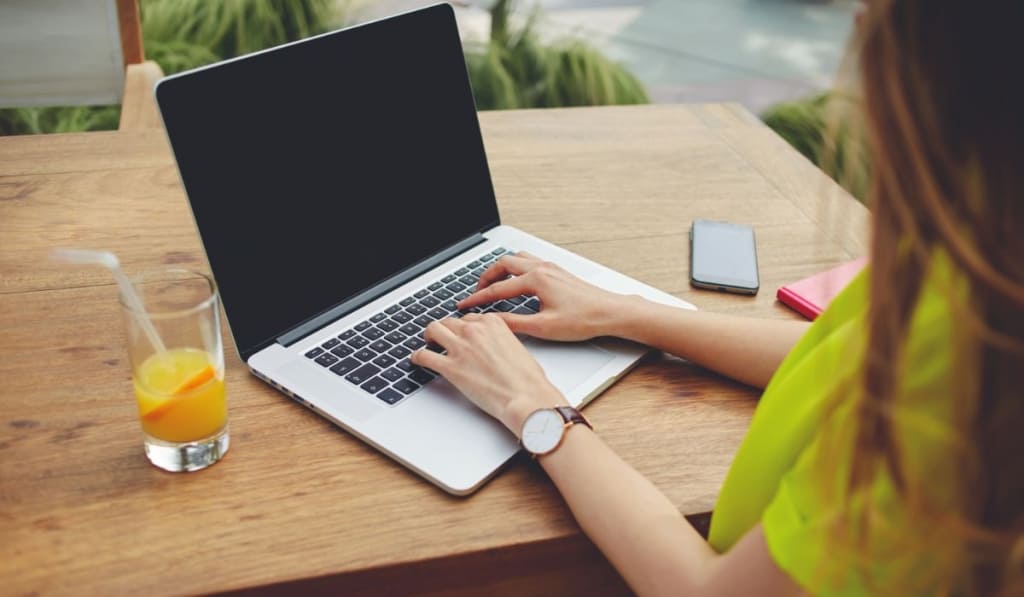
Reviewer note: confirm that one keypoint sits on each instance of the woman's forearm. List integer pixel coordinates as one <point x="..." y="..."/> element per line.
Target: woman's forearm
<point x="743" y="348"/>
<point x="636" y="527"/>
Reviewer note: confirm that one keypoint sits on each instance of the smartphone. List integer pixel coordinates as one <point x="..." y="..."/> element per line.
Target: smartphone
<point x="723" y="256"/>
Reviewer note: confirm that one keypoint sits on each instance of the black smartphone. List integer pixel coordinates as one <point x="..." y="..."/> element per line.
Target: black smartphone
<point x="723" y="256"/>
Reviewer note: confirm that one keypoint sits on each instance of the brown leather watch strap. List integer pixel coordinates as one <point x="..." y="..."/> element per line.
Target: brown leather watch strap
<point x="571" y="415"/>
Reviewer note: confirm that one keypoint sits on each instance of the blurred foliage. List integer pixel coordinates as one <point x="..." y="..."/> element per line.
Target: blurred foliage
<point x="514" y="69"/>
<point x="815" y="128"/>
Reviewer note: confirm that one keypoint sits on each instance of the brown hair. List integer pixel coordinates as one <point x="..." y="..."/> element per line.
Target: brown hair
<point x="944" y="118"/>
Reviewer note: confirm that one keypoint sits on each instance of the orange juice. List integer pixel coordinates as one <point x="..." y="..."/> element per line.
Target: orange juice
<point x="180" y="395"/>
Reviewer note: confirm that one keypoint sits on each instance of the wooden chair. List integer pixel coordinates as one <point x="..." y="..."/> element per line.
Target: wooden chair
<point x="77" y="53"/>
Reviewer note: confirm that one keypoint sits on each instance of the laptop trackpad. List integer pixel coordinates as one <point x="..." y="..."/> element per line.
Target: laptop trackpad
<point x="567" y="365"/>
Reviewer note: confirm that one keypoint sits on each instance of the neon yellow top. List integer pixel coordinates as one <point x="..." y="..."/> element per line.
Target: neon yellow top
<point x="776" y="477"/>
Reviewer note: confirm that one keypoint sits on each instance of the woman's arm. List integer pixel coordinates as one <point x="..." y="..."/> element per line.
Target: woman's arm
<point x="745" y="349"/>
<point x="643" y="535"/>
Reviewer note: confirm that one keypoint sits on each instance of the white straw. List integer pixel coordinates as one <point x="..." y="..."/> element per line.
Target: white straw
<point x="110" y="261"/>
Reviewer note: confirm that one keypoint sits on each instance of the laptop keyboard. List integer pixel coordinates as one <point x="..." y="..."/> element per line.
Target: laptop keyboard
<point x="374" y="354"/>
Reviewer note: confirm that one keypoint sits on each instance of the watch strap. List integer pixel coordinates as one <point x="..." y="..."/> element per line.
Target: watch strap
<point x="571" y="416"/>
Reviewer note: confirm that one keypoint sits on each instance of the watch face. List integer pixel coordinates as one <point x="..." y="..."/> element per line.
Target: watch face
<point x="542" y="431"/>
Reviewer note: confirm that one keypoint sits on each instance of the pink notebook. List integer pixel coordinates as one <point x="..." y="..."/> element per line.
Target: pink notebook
<point x="811" y="295"/>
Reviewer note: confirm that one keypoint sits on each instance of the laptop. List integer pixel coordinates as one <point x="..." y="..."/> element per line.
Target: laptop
<point x="341" y="191"/>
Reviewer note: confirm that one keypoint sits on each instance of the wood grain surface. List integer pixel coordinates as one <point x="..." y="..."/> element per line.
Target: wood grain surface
<point x="298" y="504"/>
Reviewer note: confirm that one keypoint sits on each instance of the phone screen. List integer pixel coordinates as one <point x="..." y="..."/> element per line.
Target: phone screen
<point x="723" y="254"/>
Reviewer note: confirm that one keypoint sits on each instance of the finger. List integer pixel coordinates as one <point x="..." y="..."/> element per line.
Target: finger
<point x="430" y="360"/>
<point x="440" y="334"/>
<point x="531" y="325"/>
<point x="499" y="290"/>
<point x="508" y="265"/>
<point x="528" y="255"/>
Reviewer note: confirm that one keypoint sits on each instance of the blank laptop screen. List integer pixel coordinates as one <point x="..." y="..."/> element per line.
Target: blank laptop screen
<point x="318" y="169"/>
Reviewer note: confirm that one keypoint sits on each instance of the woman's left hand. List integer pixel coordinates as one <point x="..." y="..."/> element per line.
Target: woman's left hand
<point x="490" y="366"/>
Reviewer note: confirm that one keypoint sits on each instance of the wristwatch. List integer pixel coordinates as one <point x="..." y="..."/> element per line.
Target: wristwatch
<point x="544" y="429"/>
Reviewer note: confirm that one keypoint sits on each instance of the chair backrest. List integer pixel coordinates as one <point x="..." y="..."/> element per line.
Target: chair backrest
<point x="66" y="52"/>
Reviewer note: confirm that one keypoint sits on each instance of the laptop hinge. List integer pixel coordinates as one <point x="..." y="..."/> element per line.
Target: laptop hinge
<point x="342" y="309"/>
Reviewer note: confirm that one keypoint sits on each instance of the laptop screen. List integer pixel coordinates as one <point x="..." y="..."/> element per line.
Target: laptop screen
<point x="319" y="169"/>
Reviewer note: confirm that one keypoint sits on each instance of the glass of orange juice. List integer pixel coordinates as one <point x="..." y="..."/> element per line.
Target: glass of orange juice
<point x="179" y="390"/>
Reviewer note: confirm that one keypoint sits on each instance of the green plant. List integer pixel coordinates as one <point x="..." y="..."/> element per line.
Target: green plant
<point x="816" y="128"/>
<point x="514" y="70"/>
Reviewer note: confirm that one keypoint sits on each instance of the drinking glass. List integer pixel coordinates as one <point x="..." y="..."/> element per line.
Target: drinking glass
<point x="180" y="390"/>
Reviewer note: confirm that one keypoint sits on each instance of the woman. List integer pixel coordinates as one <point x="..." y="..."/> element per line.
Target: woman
<point x="885" y="455"/>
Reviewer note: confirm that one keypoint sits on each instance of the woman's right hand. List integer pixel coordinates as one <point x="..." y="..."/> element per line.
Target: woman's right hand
<point x="571" y="309"/>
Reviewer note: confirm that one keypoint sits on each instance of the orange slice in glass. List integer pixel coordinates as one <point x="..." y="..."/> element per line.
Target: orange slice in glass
<point x="194" y="381"/>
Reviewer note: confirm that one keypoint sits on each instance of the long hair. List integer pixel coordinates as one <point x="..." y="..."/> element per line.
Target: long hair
<point x="943" y="110"/>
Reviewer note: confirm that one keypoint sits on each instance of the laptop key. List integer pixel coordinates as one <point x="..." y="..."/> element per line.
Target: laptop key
<point x="362" y="326"/>
<point x="374" y="385"/>
<point x="443" y="294"/>
<point x="390" y="396"/>
<point x="435" y="348"/>
<point x="421" y="376"/>
<point x="341" y="351"/>
<point x="479" y="271"/>
<point x="345" y="366"/>
<point x="331" y="343"/>
<point x="378" y="318"/>
<point x="326" y="359"/>
<point x="384" y="361"/>
<point x="421" y="293"/>
<point x="381" y="346"/>
<point x="473" y="265"/>
<point x="393" y="309"/>
<point x="462" y="271"/>
<point x="504" y="306"/>
<point x="399" y="352"/>
<point x="392" y="374"/>
<point x="365" y="354"/>
<point x="410" y="329"/>
<point x="405" y="386"/>
<point x="417" y="309"/>
<point x="401" y="318"/>
<point x="517" y="300"/>
<point x="450" y="305"/>
<point x="486" y="258"/>
<point x="498" y="251"/>
<point x="405" y="365"/>
<point x="469" y="281"/>
<point x="447" y="279"/>
<point x="533" y="304"/>
<point x="456" y="287"/>
<point x="314" y="352"/>
<point x="523" y="310"/>
<point x="396" y="337"/>
<point x="407" y="301"/>
<point x="429" y="301"/>
<point x="346" y="334"/>
<point x="414" y="343"/>
<point x="373" y="333"/>
<point x="462" y="295"/>
<point x="358" y="342"/>
<point x="423" y="320"/>
<point x="434" y="286"/>
<point x="363" y="373"/>
<point x="437" y="313"/>
<point x="387" y="325"/>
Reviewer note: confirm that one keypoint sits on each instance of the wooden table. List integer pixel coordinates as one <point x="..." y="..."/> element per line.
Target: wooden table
<point x="299" y="504"/>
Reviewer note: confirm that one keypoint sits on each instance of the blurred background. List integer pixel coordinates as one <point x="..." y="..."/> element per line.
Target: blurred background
<point x="775" y="57"/>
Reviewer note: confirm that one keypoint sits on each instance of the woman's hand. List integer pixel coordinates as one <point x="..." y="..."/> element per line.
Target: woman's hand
<point x="490" y="366"/>
<point x="571" y="309"/>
